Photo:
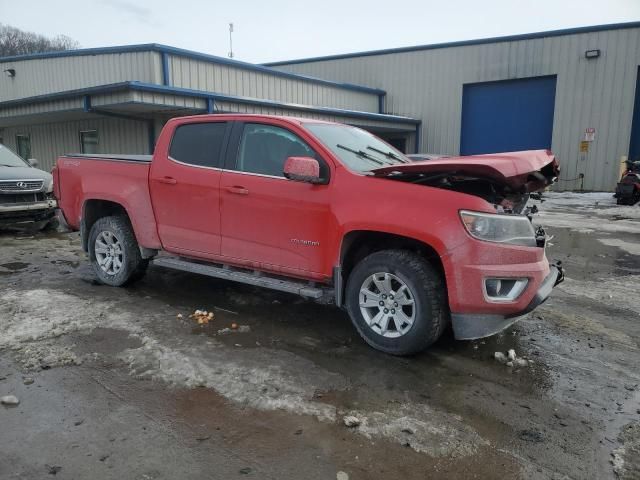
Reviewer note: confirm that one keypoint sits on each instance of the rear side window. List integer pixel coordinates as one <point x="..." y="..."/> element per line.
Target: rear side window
<point x="198" y="143"/>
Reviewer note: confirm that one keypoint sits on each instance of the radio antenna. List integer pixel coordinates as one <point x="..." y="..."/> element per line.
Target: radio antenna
<point x="231" y="40"/>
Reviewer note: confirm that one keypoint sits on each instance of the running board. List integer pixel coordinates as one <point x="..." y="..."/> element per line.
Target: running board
<point x="250" y="277"/>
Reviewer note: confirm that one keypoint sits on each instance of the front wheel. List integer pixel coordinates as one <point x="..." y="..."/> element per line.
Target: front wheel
<point x="396" y="301"/>
<point x="114" y="252"/>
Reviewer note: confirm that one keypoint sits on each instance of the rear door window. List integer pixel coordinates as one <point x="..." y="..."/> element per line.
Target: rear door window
<point x="199" y="144"/>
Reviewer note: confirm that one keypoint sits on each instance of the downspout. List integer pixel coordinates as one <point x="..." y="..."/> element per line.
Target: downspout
<point x="418" y="130"/>
<point x="211" y="106"/>
<point x="381" y="99"/>
<point x="165" y="69"/>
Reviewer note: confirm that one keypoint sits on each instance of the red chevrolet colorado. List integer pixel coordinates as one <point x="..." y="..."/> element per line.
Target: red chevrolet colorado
<point x="327" y="211"/>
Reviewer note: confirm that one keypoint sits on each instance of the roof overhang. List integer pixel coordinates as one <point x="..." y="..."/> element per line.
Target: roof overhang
<point x="139" y="100"/>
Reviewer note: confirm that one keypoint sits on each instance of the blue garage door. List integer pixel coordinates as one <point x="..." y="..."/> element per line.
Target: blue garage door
<point x="508" y="115"/>
<point x="634" y="147"/>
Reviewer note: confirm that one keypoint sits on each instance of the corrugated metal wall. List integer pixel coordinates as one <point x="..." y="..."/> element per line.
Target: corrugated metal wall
<point x="59" y="74"/>
<point x="596" y="93"/>
<point x="213" y="77"/>
<point x="50" y="140"/>
<point x="227" y="107"/>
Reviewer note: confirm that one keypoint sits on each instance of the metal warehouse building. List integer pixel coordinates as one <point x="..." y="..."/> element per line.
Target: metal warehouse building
<point x="575" y="91"/>
<point x="116" y="99"/>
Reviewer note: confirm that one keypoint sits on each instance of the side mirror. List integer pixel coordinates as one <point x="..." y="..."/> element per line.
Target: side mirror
<point x="33" y="162"/>
<point x="303" y="169"/>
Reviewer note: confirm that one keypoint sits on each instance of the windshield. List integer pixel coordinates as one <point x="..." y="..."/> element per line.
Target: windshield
<point x="357" y="149"/>
<point x="10" y="159"/>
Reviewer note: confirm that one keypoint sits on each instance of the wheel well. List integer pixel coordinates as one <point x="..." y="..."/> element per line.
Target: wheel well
<point x="359" y="244"/>
<point x="92" y="211"/>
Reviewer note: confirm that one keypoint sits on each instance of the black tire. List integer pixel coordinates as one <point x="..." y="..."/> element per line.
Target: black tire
<point x="133" y="266"/>
<point x="429" y="296"/>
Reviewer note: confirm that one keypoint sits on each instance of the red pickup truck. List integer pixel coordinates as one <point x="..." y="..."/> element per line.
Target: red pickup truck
<point x="327" y="211"/>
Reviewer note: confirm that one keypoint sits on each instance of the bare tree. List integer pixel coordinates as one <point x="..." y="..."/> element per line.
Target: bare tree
<point x="14" y="41"/>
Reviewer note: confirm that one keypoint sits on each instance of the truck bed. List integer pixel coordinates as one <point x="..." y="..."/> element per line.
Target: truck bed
<point x="121" y="179"/>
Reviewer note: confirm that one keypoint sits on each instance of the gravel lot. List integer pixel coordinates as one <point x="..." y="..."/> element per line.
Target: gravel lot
<point x="112" y="383"/>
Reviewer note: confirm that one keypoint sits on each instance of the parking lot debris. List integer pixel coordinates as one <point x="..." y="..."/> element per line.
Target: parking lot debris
<point x="179" y="316"/>
<point x="28" y="380"/>
<point x="202" y="317"/>
<point x="342" y="475"/>
<point x="10" y="400"/>
<point x="510" y="359"/>
<point x="234" y="329"/>
<point x="500" y="357"/>
<point x="53" y="469"/>
<point x="245" y="470"/>
<point x="351" y="421"/>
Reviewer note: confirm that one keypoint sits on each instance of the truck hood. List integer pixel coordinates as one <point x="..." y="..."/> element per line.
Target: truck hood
<point x="23" y="173"/>
<point x="523" y="172"/>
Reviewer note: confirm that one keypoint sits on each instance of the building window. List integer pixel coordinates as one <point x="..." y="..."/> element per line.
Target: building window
<point x="89" y="141"/>
<point x="23" y="143"/>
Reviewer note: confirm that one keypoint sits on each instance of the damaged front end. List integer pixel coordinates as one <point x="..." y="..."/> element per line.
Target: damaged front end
<point x="503" y="179"/>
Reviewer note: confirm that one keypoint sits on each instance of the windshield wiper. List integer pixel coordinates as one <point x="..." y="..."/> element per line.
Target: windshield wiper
<point x="387" y="154"/>
<point x="5" y="165"/>
<point x="361" y="153"/>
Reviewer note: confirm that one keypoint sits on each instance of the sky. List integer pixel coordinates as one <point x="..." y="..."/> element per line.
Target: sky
<point x="271" y="30"/>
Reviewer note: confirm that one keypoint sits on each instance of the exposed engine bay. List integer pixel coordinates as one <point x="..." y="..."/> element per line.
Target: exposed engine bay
<point x="504" y="180"/>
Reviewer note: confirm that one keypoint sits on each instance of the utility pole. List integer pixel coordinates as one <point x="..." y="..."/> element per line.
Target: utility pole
<point x="231" y="40"/>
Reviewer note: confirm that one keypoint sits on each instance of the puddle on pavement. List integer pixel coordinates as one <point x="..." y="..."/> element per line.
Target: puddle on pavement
<point x="583" y="255"/>
<point x="15" y="266"/>
<point x="104" y="341"/>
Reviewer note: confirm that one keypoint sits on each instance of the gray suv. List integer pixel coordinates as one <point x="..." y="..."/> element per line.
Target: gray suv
<point x="26" y="193"/>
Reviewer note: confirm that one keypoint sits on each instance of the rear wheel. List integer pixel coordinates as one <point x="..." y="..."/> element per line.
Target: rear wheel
<point x="114" y="252"/>
<point x="396" y="301"/>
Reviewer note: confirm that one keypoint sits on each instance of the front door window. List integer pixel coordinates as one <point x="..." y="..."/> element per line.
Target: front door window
<point x="265" y="148"/>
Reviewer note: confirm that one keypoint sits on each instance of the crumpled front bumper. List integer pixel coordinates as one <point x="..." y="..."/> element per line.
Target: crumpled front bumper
<point x="16" y="213"/>
<point x="469" y="326"/>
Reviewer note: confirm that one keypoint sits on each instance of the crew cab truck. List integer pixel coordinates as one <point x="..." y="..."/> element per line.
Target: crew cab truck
<point x="325" y="210"/>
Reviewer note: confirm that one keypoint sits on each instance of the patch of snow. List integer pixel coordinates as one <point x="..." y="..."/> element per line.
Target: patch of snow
<point x="575" y="199"/>
<point x="433" y="432"/>
<point x="576" y="221"/>
<point x="587" y="212"/>
<point x="257" y="382"/>
<point x="632" y="248"/>
<point x="261" y="378"/>
<point x="617" y="291"/>
<point x="30" y="315"/>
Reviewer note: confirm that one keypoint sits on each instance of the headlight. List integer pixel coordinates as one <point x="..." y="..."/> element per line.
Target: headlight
<point x="491" y="227"/>
<point x="48" y="185"/>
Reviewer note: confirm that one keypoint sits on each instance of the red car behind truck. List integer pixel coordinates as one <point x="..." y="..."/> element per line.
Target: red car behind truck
<point x="327" y="211"/>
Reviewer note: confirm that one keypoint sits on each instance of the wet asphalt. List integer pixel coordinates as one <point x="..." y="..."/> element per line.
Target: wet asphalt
<point x="124" y="388"/>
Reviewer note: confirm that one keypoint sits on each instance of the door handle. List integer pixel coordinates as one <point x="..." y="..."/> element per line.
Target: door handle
<point x="238" y="190"/>
<point x="168" y="180"/>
